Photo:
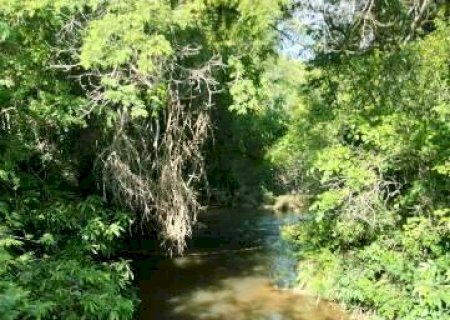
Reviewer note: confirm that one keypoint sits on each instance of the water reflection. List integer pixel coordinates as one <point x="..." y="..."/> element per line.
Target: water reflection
<point x="228" y="274"/>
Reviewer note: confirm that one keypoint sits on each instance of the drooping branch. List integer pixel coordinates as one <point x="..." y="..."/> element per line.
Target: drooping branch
<point x="154" y="165"/>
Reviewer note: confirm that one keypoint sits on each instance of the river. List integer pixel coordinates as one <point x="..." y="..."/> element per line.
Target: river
<point x="236" y="267"/>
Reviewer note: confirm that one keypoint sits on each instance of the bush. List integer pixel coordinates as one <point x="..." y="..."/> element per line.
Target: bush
<point x="374" y="152"/>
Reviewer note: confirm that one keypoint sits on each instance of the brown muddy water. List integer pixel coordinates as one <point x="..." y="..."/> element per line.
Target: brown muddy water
<point x="236" y="268"/>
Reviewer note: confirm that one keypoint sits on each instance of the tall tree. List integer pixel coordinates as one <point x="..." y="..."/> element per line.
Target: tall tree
<point x="105" y="110"/>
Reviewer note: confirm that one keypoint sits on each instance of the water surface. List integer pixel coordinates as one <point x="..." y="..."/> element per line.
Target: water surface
<point x="236" y="268"/>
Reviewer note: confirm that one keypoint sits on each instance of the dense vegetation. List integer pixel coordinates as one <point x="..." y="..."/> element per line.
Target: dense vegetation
<point x="370" y="143"/>
<point x="105" y="111"/>
<point x="122" y="119"/>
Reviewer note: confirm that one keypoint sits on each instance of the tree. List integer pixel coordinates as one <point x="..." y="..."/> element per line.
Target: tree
<point x="105" y="110"/>
<point x="352" y="27"/>
<point x="371" y="136"/>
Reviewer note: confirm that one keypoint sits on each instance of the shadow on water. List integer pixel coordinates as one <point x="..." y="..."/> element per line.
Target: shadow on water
<point x="229" y="272"/>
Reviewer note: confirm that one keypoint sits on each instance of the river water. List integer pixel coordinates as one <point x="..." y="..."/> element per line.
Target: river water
<point x="236" y="267"/>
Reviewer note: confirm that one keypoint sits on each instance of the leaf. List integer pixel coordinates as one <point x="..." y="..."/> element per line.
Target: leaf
<point x="139" y="112"/>
<point x="47" y="239"/>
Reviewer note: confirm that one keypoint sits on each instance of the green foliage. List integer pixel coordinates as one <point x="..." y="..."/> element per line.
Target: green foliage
<point x="50" y="253"/>
<point x="370" y="140"/>
<point x="85" y="83"/>
<point x="128" y="88"/>
<point x="256" y="117"/>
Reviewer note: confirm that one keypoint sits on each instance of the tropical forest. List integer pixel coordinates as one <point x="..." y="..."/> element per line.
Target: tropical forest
<point x="225" y="159"/>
